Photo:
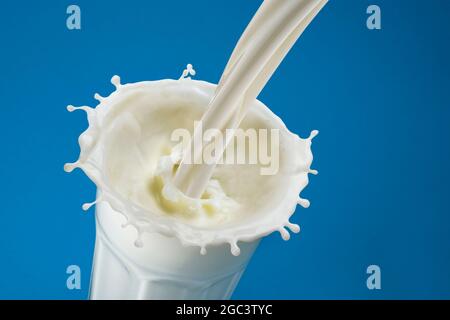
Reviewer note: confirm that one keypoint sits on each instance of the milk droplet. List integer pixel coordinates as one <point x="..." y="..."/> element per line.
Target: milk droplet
<point x="303" y="202"/>
<point x="314" y="172"/>
<point x="115" y="80"/>
<point x="284" y="234"/>
<point x="72" y="108"/>
<point x="235" y="251"/>
<point x="203" y="251"/>
<point x="69" y="167"/>
<point x="88" y="205"/>
<point x="98" y="97"/>
<point x="188" y="71"/>
<point x="295" y="228"/>
<point x="313" y="134"/>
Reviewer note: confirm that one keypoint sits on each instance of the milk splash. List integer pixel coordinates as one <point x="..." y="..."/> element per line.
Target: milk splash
<point x="92" y="156"/>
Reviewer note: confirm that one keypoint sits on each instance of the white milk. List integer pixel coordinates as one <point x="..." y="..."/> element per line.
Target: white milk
<point x="162" y="268"/>
<point x="271" y="33"/>
<point x="153" y="242"/>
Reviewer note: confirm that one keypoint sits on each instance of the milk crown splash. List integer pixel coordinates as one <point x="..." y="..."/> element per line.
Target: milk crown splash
<point x="101" y="120"/>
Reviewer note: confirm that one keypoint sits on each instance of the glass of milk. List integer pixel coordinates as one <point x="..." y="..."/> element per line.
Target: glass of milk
<point x="151" y="244"/>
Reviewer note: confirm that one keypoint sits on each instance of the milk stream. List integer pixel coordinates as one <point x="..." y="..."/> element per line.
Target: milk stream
<point x="271" y="33"/>
<point x="126" y="152"/>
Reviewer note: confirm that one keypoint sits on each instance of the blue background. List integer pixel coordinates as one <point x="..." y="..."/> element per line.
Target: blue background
<point x="379" y="99"/>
